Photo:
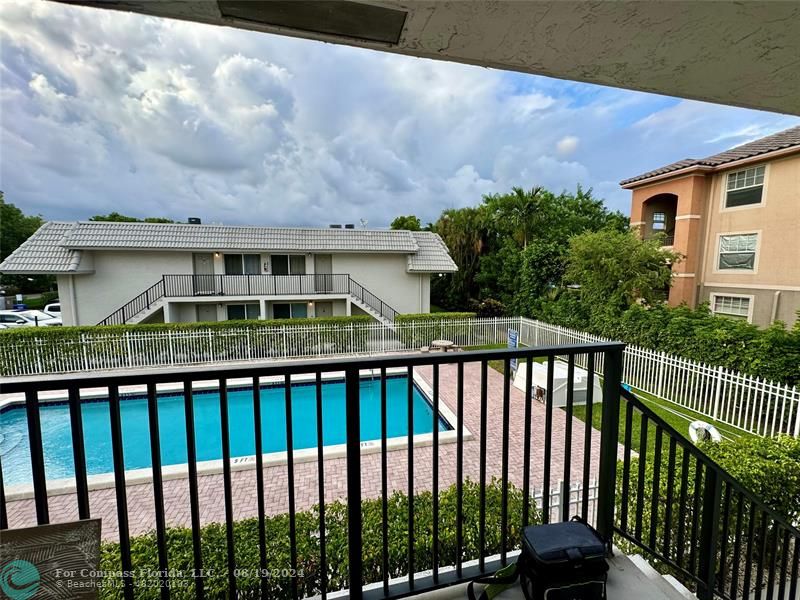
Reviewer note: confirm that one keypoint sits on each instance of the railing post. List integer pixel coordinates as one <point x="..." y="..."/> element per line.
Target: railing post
<point x="352" y="410"/>
<point x="609" y="437"/>
<point x="709" y="535"/>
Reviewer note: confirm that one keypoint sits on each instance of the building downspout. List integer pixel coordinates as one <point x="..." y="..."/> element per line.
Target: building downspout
<point x="73" y="300"/>
<point x="776" y="298"/>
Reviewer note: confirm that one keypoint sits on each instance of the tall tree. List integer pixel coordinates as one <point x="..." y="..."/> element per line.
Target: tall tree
<point x="618" y="269"/>
<point x="407" y="222"/>
<point x="15" y="228"/>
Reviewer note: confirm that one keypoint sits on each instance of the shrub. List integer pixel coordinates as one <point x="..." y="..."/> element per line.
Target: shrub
<point x="488" y="308"/>
<point x="767" y="467"/>
<point x="421" y="329"/>
<point x="58" y="349"/>
<point x="213" y="543"/>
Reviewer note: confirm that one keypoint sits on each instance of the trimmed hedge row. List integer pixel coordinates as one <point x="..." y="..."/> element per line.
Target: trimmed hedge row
<point x="309" y="574"/>
<point x="66" y="349"/>
<point x="440" y="316"/>
<point x="75" y="332"/>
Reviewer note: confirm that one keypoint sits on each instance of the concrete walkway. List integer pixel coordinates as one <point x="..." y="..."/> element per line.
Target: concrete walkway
<point x="140" y="497"/>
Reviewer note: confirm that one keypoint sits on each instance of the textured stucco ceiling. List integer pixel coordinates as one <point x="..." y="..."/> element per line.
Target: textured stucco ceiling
<point x="738" y="53"/>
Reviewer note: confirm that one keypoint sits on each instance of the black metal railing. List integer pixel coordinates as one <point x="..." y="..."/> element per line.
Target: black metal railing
<point x="696" y="520"/>
<point x="174" y="286"/>
<point x="667" y="239"/>
<point x="360" y="292"/>
<point x="463" y="380"/>
<point x="141" y="302"/>
<point x="664" y="498"/>
<point x="255" y="285"/>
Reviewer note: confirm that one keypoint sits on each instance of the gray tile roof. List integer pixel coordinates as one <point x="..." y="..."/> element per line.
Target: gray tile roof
<point x="160" y="236"/>
<point x="56" y="246"/>
<point x="771" y="143"/>
<point x="43" y="252"/>
<point x="432" y="256"/>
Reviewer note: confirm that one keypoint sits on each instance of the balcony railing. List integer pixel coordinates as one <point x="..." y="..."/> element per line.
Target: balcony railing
<point x="667" y="500"/>
<point x="178" y="286"/>
<point x="255" y="285"/>
<point x="666" y="239"/>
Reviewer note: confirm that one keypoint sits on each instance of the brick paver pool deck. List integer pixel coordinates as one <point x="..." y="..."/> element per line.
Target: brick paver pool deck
<point x="212" y="507"/>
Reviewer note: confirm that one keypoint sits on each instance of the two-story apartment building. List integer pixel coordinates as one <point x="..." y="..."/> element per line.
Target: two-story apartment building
<point x="735" y="219"/>
<point x="112" y="273"/>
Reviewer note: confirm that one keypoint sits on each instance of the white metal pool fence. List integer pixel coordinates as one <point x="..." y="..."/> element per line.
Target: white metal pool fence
<point x="743" y="401"/>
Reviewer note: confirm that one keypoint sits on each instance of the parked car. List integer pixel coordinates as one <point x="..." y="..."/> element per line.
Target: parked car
<point x="53" y="309"/>
<point x="42" y="317"/>
<point x="27" y="318"/>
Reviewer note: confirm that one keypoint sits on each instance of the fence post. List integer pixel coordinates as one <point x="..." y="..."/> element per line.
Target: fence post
<point x="128" y="347"/>
<point x="353" y="444"/>
<point x="285" y="347"/>
<point x="718" y="392"/>
<point x="83" y="348"/>
<point x="797" y="413"/>
<point x="709" y="535"/>
<point x="609" y="437"/>
<point x="171" y="348"/>
<point x="564" y="497"/>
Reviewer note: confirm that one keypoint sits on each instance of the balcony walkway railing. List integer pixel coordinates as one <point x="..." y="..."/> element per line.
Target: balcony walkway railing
<point x="179" y="286"/>
<point x="665" y="498"/>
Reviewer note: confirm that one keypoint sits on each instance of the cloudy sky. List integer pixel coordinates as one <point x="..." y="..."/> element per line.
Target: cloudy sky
<point x="107" y="111"/>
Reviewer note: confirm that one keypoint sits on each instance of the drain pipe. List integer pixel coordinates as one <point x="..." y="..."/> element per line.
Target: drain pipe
<point x="775" y="301"/>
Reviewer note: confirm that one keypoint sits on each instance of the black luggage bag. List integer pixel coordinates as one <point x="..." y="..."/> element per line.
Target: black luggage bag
<point x="558" y="561"/>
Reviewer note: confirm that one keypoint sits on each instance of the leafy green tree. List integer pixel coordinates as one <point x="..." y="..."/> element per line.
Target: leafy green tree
<point x="616" y="270"/>
<point x="15" y="228"/>
<point x="116" y="217"/>
<point x="517" y="210"/>
<point x="464" y="232"/>
<point x="407" y="222"/>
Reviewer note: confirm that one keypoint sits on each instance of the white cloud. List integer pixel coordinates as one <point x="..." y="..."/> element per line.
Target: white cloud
<point x="567" y="145"/>
<point x="104" y="110"/>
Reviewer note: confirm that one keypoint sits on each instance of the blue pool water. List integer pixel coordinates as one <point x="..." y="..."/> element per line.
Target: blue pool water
<point x="57" y="436"/>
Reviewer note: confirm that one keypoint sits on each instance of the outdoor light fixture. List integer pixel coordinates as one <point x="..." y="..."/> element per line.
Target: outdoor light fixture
<point x="216" y="254"/>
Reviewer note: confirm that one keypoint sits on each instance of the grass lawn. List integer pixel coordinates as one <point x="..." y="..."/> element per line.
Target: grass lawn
<point x="677" y="416"/>
<point x="497" y="365"/>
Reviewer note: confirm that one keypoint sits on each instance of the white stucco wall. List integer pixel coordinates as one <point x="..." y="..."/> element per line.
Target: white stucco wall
<point x="119" y="277"/>
<point x="385" y="276"/>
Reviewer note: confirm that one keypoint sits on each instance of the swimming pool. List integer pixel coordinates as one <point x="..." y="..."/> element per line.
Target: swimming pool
<point x="57" y="436"/>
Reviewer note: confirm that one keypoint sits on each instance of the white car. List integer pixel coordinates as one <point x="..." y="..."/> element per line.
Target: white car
<point x="53" y="309"/>
<point x="27" y="318"/>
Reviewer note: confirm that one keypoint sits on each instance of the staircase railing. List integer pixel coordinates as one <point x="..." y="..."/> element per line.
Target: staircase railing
<point x="137" y="305"/>
<point x="359" y="291"/>
<point x="694" y="518"/>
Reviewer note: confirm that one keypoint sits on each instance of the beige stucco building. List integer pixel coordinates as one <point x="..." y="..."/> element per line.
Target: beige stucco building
<point x="115" y="273"/>
<point x="735" y="219"/>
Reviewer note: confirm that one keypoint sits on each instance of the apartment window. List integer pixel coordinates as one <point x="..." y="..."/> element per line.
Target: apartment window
<point x="295" y="310"/>
<point x="735" y="307"/>
<point x="745" y="187"/>
<point x="659" y="221"/>
<point x="243" y="311"/>
<point x="737" y="252"/>
<point x="288" y="264"/>
<point x="242" y="264"/>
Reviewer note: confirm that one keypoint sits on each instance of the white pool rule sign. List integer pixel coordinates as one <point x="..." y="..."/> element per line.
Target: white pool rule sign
<point x="513" y="342"/>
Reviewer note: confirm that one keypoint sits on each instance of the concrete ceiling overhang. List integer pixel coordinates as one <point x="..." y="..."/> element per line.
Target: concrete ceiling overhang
<point x="739" y="53"/>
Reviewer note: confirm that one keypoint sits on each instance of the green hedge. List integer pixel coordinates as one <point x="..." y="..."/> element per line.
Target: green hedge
<point x="213" y="543"/>
<point x="46" y="333"/>
<point x="439" y="316"/>
<point x="772" y="353"/>
<point x="418" y="330"/>
<point x="768" y="467"/>
<point x="65" y="349"/>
